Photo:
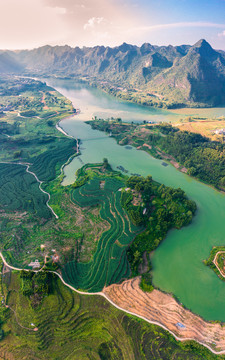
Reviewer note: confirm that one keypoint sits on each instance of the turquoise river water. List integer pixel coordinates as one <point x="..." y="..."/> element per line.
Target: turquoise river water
<point x="178" y="262"/>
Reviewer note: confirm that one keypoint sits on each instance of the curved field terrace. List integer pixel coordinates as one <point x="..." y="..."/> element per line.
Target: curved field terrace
<point x="109" y="264"/>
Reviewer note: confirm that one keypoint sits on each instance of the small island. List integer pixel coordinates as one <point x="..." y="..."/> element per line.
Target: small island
<point x="216" y="261"/>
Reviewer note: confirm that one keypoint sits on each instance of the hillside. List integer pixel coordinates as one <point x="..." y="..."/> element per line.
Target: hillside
<point x="165" y="76"/>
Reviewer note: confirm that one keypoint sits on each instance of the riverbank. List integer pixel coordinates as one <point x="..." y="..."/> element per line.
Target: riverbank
<point x="156" y="308"/>
<point x="162" y="309"/>
<point x="188" y="152"/>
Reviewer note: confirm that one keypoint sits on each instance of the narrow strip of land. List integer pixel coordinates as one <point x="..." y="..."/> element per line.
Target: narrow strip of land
<point x="216" y="263"/>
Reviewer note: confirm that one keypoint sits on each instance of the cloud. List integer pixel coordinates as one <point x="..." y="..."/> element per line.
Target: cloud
<point x="222" y="34"/>
<point x="177" y="25"/>
<point x="28" y="24"/>
<point x="99" y="28"/>
<point x="92" y="22"/>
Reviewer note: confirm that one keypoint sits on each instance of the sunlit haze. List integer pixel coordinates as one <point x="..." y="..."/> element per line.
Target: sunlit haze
<point x="33" y="23"/>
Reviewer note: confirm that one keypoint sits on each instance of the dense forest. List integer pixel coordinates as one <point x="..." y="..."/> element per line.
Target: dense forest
<point x="204" y="159"/>
<point x="158" y="208"/>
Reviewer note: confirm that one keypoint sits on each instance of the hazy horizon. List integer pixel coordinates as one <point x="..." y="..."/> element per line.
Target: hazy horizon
<point x="28" y="25"/>
<point x="84" y="46"/>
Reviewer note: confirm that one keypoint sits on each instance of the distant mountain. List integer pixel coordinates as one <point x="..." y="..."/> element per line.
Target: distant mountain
<point x="8" y="64"/>
<point x="197" y="77"/>
<point x="167" y="76"/>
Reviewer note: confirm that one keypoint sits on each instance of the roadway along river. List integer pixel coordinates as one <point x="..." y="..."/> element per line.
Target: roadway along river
<point x="177" y="263"/>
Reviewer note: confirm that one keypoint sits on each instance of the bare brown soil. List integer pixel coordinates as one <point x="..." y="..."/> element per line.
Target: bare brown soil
<point x="137" y="199"/>
<point x="204" y="127"/>
<point x="43" y="102"/>
<point x="148" y="146"/>
<point x="163" y="309"/>
<point x="172" y="160"/>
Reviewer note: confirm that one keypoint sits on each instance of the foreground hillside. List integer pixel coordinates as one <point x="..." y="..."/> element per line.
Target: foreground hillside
<point x="165" y="76"/>
<point x="70" y="326"/>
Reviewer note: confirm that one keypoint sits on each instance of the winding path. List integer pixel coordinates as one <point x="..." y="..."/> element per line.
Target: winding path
<point x="23" y="327"/>
<point x="39" y="181"/>
<point x="216" y="263"/>
<point x="156" y="308"/>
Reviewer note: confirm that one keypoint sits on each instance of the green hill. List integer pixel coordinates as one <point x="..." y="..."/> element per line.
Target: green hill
<point x="165" y="76"/>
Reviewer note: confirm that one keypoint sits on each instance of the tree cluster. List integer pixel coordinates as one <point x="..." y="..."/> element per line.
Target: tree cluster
<point x="204" y="159"/>
<point x="36" y="283"/>
<point x="162" y="208"/>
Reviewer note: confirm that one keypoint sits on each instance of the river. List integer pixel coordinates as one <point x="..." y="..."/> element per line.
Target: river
<point x="178" y="262"/>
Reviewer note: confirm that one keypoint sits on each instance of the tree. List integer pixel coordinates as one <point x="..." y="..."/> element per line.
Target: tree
<point x="105" y="163"/>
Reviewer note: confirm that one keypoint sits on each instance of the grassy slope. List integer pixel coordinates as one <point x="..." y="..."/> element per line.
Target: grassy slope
<point x="31" y="139"/>
<point x="109" y="263"/>
<point x="71" y="235"/>
<point x="19" y="190"/>
<point x="71" y="326"/>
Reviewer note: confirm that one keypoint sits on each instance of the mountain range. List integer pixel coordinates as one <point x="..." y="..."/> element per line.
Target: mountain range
<point x="166" y="76"/>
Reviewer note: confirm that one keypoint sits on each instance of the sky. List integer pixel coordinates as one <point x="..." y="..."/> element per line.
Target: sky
<point x="27" y="24"/>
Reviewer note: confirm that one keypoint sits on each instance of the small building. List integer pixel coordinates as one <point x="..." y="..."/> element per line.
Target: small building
<point x="220" y="132"/>
<point x="180" y="326"/>
<point x="55" y="258"/>
<point x="35" y="264"/>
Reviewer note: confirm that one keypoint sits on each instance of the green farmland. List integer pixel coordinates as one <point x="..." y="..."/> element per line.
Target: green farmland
<point x="48" y="164"/>
<point x="75" y="327"/>
<point x="20" y="191"/>
<point x="109" y="264"/>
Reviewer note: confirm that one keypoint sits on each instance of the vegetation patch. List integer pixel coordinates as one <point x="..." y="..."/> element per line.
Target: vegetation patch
<point x="217" y="255"/>
<point x="162" y="208"/>
<point x="190" y="152"/>
<point x="64" y="320"/>
<point x="36" y="285"/>
<point x="20" y="191"/>
<point x="139" y="212"/>
<point x="48" y="164"/>
<point x="109" y="264"/>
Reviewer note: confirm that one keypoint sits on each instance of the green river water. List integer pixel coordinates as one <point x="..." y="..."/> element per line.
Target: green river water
<point x="177" y="263"/>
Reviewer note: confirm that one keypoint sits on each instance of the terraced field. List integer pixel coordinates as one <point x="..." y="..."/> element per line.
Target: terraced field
<point x="74" y="327"/>
<point x="48" y="164"/>
<point x="20" y="191"/>
<point x="163" y="309"/>
<point x="109" y="264"/>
